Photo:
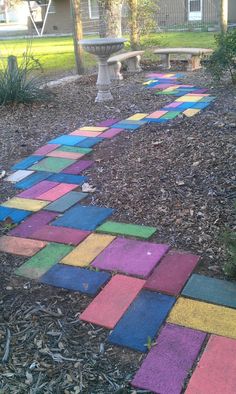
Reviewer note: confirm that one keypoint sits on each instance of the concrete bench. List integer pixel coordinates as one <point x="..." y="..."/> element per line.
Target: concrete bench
<point x="131" y="58"/>
<point x="194" y="56"/>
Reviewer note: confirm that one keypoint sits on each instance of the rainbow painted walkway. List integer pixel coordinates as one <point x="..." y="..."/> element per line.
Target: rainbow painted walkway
<point x="144" y="293"/>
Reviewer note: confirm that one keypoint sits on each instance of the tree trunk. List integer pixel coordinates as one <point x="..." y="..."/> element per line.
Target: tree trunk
<point x="224" y="15"/>
<point x="6" y="11"/>
<point x="110" y="18"/>
<point x="134" y="31"/>
<point x="77" y="35"/>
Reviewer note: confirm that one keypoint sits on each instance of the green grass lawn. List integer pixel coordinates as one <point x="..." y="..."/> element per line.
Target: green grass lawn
<point x="57" y="53"/>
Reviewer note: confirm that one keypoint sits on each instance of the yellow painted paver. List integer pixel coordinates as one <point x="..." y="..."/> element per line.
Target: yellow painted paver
<point x="93" y="128"/>
<point x="210" y="318"/>
<point x="189" y="99"/>
<point x="138" y="116"/>
<point x="191" y="112"/>
<point x="27" y="204"/>
<point x="88" y="250"/>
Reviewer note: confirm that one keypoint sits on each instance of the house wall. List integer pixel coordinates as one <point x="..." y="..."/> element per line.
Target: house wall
<point x="232" y="11"/>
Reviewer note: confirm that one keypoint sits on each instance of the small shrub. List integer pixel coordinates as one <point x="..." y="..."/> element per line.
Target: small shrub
<point x="223" y="59"/>
<point x="230" y="265"/>
<point x="20" y="82"/>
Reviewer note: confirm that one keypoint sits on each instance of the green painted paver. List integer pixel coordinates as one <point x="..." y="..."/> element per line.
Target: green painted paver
<point x="171" y="115"/>
<point x="52" y="164"/>
<point x="132" y="230"/>
<point x="75" y="149"/>
<point x="42" y="261"/>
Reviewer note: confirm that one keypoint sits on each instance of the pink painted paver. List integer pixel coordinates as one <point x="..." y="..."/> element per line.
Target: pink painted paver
<point x="85" y="133"/>
<point x="167" y="365"/>
<point x="33" y="223"/>
<point x="36" y="190"/>
<point x="131" y="257"/>
<point x="57" y="192"/>
<point x="62" y="235"/>
<point x="45" y="149"/>
<point x="172" y="273"/>
<point x="162" y="86"/>
<point x="156" y="114"/>
<point x="110" y="133"/>
<point x="216" y="370"/>
<point x="20" y="246"/>
<point x="65" y="155"/>
<point x="78" y="167"/>
<point x="112" y="302"/>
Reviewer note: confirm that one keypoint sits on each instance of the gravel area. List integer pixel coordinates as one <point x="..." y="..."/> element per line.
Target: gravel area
<point x="179" y="177"/>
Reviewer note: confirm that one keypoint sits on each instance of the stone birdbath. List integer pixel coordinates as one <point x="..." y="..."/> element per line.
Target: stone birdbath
<point x="103" y="48"/>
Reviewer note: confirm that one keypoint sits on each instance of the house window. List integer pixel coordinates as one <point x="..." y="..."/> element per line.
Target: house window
<point x="195" y="10"/>
<point x="93" y="9"/>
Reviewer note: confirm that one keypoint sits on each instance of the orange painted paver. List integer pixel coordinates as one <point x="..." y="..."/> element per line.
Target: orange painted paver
<point x="65" y="155"/>
<point x="111" y="303"/>
<point x="216" y="370"/>
<point x="20" y="246"/>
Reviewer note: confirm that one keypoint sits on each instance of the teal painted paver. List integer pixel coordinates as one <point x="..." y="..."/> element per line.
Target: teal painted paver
<point x="75" y="149"/>
<point x="215" y="291"/>
<point x="66" y="202"/>
<point x="41" y="262"/>
<point x="132" y="230"/>
<point x="52" y="164"/>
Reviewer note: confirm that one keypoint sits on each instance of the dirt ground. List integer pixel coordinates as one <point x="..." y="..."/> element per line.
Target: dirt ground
<point x="179" y="177"/>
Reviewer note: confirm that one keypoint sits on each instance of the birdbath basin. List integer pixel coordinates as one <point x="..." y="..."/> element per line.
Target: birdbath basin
<point x="103" y="48"/>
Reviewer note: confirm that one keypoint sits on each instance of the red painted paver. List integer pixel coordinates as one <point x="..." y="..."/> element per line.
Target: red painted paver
<point x="20" y="246"/>
<point x="38" y="189"/>
<point x="57" y="192"/>
<point x="46" y="149"/>
<point x="216" y="370"/>
<point x="110" y="304"/>
<point x="62" y="235"/>
<point x="33" y="223"/>
<point x="172" y="273"/>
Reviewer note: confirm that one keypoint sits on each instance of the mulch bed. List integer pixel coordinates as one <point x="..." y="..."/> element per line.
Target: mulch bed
<point x="179" y="177"/>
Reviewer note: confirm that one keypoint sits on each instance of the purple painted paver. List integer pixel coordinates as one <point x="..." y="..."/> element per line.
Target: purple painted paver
<point x="107" y="123"/>
<point x="78" y="167"/>
<point x="131" y="257"/>
<point x="172" y="273"/>
<point x="62" y="235"/>
<point x="173" y="105"/>
<point x="32" y="224"/>
<point x="110" y="133"/>
<point x="36" y="190"/>
<point x="167" y="365"/>
<point x="46" y="149"/>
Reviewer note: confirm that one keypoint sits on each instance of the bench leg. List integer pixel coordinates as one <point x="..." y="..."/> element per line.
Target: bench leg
<point x="194" y="63"/>
<point x="166" y="60"/>
<point x="133" y="64"/>
<point x="114" y="71"/>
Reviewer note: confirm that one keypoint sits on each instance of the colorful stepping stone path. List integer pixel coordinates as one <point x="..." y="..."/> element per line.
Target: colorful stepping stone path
<point x="144" y="293"/>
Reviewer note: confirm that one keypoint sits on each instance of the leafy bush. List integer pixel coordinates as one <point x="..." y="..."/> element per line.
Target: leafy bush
<point x="223" y="59"/>
<point x="20" y="83"/>
<point x="230" y="265"/>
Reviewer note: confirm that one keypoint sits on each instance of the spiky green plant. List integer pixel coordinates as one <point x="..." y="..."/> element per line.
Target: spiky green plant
<point x="20" y="80"/>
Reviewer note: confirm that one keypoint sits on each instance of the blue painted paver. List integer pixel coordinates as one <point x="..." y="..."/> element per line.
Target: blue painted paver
<point x="16" y="215"/>
<point x="24" y="164"/>
<point x="75" y="278"/>
<point x="68" y="178"/>
<point x="70" y="140"/>
<point x="201" y="105"/>
<point x="215" y="291"/>
<point x="89" y="142"/>
<point x="33" y="179"/>
<point x="142" y="320"/>
<point x="84" y="217"/>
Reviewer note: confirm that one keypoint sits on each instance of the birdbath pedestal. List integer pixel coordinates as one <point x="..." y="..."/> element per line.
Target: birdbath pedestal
<point x="103" y="48"/>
